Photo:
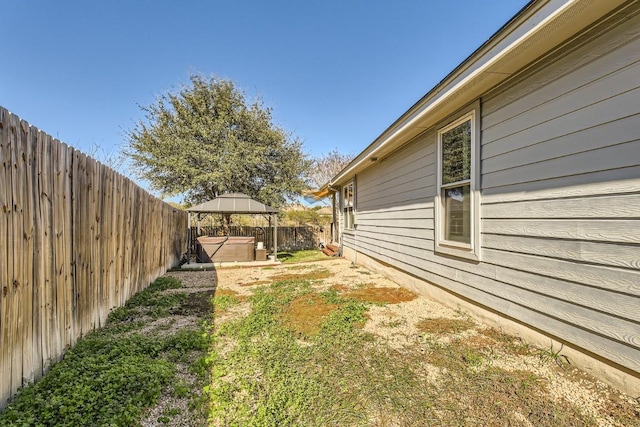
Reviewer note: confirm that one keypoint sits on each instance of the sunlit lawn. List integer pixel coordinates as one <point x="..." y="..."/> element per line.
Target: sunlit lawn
<point x="301" y="256"/>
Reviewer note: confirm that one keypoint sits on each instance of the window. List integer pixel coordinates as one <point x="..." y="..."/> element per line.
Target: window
<point x="348" y="205"/>
<point x="457" y="201"/>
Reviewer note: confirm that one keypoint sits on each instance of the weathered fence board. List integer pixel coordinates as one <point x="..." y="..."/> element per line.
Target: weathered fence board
<point x="4" y="243"/>
<point x="76" y="240"/>
<point x="16" y="241"/>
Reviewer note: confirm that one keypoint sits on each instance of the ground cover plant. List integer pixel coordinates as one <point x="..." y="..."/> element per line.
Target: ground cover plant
<point x="291" y="257"/>
<point x="113" y="375"/>
<point x="326" y="344"/>
<point x="308" y="344"/>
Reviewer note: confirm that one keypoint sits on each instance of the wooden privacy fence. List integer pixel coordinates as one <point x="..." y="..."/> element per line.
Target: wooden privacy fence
<point x="289" y="238"/>
<point x="77" y="239"/>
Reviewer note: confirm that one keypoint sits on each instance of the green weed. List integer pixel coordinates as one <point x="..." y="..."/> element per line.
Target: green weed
<point x="550" y="354"/>
<point x="302" y="256"/>
<point x="271" y="378"/>
<point x="113" y="374"/>
<point x="283" y="370"/>
<point x="102" y="381"/>
<point x="274" y="382"/>
<point x="223" y="303"/>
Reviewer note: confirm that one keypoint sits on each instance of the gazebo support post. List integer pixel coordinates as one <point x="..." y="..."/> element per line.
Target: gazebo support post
<point x="275" y="237"/>
<point x="188" y="237"/>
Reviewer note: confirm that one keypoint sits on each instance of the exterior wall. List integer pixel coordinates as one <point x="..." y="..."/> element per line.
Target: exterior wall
<point x="560" y="207"/>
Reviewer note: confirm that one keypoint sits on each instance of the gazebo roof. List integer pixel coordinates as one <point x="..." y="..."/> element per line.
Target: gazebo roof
<point x="233" y="203"/>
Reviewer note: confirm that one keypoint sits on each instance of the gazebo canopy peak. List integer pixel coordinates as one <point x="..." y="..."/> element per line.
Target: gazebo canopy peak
<point x="233" y="203"/>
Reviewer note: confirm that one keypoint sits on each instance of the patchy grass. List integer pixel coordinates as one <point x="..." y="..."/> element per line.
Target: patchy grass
<point x="311" y="275"/>
<point x="442" y="325"/>
<point x="494" y="396"/>
<point x="302" y="256"/>
<point x="340" y="375"/>
<point x="270" y="378"/>
<point x="223" y="292"/>
<point x="195" y="304"/>
<point x="224" y="299"/>
<point x="381" y="295"/>
<point x="507" y="342"/>
<point x="113" y="375"/>
<point x="299" y="267"/>
<point x="102" y="381"/>
<point x="256" y="283"/>
<point x="301" y="357"/>
<point x="305" y="314"/>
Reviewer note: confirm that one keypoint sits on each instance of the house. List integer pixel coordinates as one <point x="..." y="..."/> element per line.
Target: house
<point x="512" y="188"/>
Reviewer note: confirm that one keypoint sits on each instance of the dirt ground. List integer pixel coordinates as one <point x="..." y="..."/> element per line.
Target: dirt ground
<point x="402" y="319"/>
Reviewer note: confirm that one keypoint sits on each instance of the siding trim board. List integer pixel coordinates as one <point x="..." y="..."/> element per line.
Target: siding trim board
<point x="424" y="211"/>
<point x="615" y="156"/>
<point x="559" y="178"/>
<point x="616" y="206"/>
<point x="606" y="111"/>
<point x="588" y="139"/>
<point x="610" y="231"/>
<point x="611" y="182"/>
<point x="417" y="161"/>
<point x="594" y="253"/>
<point x="610" y="278"/>
<point x="413" y="181"/>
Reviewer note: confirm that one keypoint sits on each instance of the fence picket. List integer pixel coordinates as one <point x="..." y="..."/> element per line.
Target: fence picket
<point x="26" y="175"/>
<point x="5" y="229"/>
<point x="16" y="281"/>
<point x="48" y="292"/>
<point x="67" y="245"/>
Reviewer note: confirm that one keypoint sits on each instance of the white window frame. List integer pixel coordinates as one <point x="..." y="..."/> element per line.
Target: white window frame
<point x="469" y="251"/>
<point x="348" y="211"/>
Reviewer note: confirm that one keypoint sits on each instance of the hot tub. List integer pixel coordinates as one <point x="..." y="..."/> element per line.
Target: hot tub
<point x="224" y="249"/>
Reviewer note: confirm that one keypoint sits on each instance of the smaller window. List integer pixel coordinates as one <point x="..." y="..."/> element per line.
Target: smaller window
<point x="348" y="205"/>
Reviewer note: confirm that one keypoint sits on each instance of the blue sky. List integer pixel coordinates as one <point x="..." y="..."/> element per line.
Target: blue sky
<point x="336" y="73"/>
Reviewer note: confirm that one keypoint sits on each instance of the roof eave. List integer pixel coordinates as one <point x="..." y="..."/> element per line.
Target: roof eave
<point x="566" y="21"/>
<point x="320" y="193"/>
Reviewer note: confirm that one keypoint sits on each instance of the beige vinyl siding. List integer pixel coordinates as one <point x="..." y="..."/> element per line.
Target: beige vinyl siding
<point x="560" y="199"/>
<point x="402" y="183"/>
<point x="561" y="190"/>
<point x="395" y="203"/>
<point x="607" y="230"/>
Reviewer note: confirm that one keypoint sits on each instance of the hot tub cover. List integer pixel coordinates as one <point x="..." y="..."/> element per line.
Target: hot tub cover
<point x="229" y="240"/>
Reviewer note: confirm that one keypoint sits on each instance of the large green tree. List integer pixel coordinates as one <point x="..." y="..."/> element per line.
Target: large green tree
<point x="207" y="139"/>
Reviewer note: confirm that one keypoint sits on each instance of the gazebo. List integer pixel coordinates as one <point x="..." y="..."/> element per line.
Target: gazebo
<point x="235" y="203"/>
